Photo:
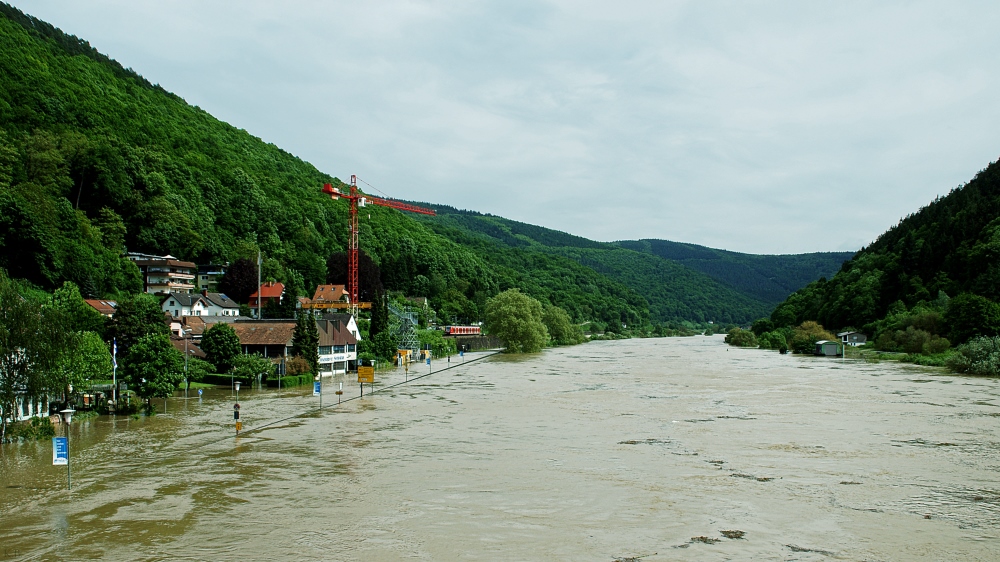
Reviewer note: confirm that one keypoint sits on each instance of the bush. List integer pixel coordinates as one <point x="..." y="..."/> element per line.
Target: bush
<point x="290" y="381"/>
<point x="739" y="337"/>
<point x="980" y="356"/>
<point x="772" y="340"/>
<point x="34" y="429"/>
<point x="806" y="335"/>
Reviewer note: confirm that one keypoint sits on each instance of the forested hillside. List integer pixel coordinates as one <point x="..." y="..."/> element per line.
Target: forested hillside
<point x="95" y="160"/>
<point x="937" y="271"/>
<point x="698" y="284"/>
<point x="770" y="278"/>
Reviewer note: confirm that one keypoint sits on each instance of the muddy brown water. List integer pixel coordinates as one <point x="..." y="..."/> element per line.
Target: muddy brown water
<point x="653" y="449"/>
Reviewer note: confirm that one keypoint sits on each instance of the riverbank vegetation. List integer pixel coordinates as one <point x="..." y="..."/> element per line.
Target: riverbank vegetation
<point x="927" y="284"/>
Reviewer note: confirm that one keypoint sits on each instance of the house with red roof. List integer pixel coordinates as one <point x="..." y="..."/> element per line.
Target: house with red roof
<point x="268" y="292"/>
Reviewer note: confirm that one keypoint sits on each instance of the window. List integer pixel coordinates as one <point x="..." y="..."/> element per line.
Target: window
<point x="338" y="349"/>
<point x="350" y="348"/>
<point x="324" y="350"/>
<point x="171" y="303"/>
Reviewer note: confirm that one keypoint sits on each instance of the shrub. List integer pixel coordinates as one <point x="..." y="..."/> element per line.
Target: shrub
<point x="34" y="429"/>
<point x="806" y="335"/>
<point x="738" y="337"/>
<point x="772" y="340"/>
<point x="980" y="356"/>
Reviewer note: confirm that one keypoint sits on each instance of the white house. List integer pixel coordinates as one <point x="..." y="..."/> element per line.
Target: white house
<point x="338" y="344"/>
<point x="179" y="305"/>
<point x="853" y="339"/>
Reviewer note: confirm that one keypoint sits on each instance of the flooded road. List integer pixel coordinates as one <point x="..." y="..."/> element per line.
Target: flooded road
<point x="657" y="449"/>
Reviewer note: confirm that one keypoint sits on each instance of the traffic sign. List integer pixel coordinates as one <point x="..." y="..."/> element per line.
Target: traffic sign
<point x="239" y="427"/>
<point x="366" y="374"/>
<point x="60" y="451"/>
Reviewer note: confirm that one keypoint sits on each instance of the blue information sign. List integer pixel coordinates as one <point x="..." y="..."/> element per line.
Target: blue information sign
<point x="316" y="388"/>
<point x="461" y="353"/>
<point x="428" y="360"/>
<point x="60" y="450"/>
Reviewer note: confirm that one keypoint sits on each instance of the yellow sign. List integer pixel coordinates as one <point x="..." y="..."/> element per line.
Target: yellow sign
<point x="366" y="374"/>
<point x="239" y="426"/>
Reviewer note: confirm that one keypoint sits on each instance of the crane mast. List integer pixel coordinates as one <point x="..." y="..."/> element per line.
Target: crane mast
<point x="358" y="199"/>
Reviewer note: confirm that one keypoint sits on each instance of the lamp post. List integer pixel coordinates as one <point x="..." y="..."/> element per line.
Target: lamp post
<point x="187" y="382"/>
<point x="67" y="416"/>
<point x="236" y="408"/>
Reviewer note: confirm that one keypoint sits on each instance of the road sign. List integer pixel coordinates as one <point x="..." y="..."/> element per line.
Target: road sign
<point x="239" y="427"/>
<point x="316" y="388"/>
<point x="428" y="360"/>
<point x="60" y="450"/>
<point x="366" y="374"/>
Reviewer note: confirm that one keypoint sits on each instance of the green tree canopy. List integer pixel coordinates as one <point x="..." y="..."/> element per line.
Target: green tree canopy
<point x="153" y="367"/>
<point x="305" y="340"/>
<point x="136" y="316"/>
<point x="87" y="359"/>
<point x="81" y="316"/>
<point x="247" y="367"/>
<point x="561" y="329"/>
<point x="516" y="319"/>
<point x="221" y="346"/>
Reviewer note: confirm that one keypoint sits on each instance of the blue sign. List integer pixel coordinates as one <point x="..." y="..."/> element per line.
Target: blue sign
<point x="199" y="392"/>
<point x="316" y="388"/>
<point x="461" y="353"/>
<point x="60" y="450"/>
<point x="428" y="360"/>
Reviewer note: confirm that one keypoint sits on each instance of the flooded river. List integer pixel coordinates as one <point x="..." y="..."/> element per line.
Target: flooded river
<point x="658" y="449"/>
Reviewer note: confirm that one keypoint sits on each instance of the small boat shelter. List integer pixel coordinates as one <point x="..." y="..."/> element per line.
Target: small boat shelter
<point x="828" y="348"/>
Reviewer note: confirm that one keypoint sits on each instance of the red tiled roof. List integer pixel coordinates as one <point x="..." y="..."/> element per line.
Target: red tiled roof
<point x="269" y="290"/>
<point x="329" y="293"/>
<point x="106" y="308"/>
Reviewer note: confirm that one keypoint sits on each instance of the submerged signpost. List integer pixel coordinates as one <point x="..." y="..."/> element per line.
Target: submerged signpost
<point x="366" y="374"/>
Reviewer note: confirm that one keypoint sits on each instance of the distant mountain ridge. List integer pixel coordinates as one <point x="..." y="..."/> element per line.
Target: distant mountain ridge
<point x="680" y="281"/>
<point x="768" y="277"/>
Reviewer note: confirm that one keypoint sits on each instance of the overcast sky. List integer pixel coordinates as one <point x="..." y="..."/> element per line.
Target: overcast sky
<point x="765" y="127"/>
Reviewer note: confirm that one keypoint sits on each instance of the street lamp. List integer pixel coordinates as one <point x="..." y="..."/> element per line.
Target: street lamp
<point x="67" y="416"/>
<point x="187" y="382"/>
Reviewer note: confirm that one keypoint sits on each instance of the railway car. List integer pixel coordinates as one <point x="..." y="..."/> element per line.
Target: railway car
<point x="462" y="331"/>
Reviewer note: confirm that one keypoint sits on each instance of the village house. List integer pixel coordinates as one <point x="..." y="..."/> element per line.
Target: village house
<point x="105" y="308"/>
<point x="209" y="276"/>
<point x="270" y="338"/>
<point x="199" y="304"/>
<point x="853" y="339"/>
<point x="338" y="339"/>
<point x="164" y="274"/>
<point x="268" y="292"/>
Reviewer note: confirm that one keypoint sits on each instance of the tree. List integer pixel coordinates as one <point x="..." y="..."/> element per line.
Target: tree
<point x="516" y="319"/>
<point x="384" y="346"/>
<point x="246" y="368"/>
<point x="369" y="275"/>
<point x="87" y="358"/>
<point x="32" y="340"/>
<point x="738" y="337"/>
<point x="971" y="315"/>
<point x="305" y="340"/>
<point x="561" y="328"/>
<point x="81" y="316"/>
<point x="380" y="314"/>
<point x="807" y="334"/>
<point x="153" y="367"/>
<point x="240" y="280"/>
<point x="221" y="344"/>
<point x="136" y="316"/>
<point x="197" y="368"/>
<point x="979" y="356"/>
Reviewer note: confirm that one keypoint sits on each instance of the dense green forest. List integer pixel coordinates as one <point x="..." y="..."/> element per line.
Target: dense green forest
<point x="96" y="160"/>
<point x="936" y="274"/>
<point x="680" y="281"/>
<point x="769" y="278"/>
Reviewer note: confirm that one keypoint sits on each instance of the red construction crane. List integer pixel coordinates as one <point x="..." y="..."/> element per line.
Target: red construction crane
<point x="360" y="200"/>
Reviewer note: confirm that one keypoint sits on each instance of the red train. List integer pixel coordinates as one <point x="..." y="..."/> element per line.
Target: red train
<point x="462" y="330"/>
